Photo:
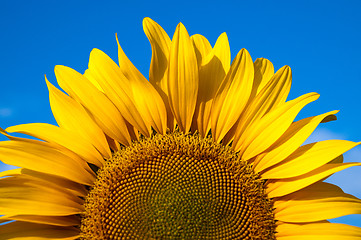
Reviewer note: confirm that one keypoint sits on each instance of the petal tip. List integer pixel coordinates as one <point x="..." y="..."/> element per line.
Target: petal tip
<point x="147" y="20"/>
<point x="223" y="36"/>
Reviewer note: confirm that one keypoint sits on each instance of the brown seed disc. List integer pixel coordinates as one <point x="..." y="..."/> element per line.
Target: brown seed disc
<point x="177" y="186"/>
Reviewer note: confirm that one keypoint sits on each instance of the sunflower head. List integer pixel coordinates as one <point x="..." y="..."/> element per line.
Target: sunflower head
<point x="205" y="149"/>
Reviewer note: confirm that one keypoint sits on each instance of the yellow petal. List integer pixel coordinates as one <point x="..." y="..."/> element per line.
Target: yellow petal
<point x="118" y="88"/>
<point x="25" y="197"/>
<point x="158" y="72"/>
<point x="211" y="73"/>
<point x="182" y="78"/>
<point x="202" y="47"/>
<point x="160" y="43"/>
<point x="219" y="57"/>
<point x="151" y="106"/>
<point x="70" y="115"/>
<point x="274" y="93"/>
<point x="65" y="221"/>
<point x="318" y="190"/>
<point x="11" y="172"/>
<point x="263" y="72"/>
<point x="146" y="97"/>
<point x="48" y="179"/>
<point x="89" y="75"/>
<point x="339" y="159"/>
<point x="45" y="146"/>
<point x="232" y="95"/>
<point x="295" y="135"/>
<point x="42" y="158"/>
<point x="102" y="109"/>
<point x="62" y="137"/>
<point x="281" y="187"/>
<point x="34" y="231"/>
<point x="322" y="201"/>
<point x="127" y="67"/>
<point x="308" y="158"/>
<point x="317" y="231"/>
<point x="272" y="126"/>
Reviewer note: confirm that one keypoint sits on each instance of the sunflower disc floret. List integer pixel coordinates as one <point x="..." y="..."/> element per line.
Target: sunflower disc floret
<point x="178" y="186"/>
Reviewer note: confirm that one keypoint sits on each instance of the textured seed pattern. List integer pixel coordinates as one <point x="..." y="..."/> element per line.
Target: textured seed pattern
<point x="177" y="187"/>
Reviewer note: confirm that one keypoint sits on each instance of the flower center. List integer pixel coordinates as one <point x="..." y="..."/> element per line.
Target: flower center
<point x="177" y="186"/>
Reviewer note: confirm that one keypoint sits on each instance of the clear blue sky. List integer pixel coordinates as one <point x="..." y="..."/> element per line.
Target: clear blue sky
<point x="320" y="40"/>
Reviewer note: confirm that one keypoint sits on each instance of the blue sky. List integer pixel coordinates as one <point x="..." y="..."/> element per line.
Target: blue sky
<point x="319" y="40"/>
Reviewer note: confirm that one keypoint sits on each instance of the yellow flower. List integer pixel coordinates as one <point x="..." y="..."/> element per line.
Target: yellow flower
<point x="205" y="149"/>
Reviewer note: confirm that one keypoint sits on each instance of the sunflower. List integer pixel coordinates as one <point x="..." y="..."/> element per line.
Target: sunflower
<point x="206" y="149"/>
